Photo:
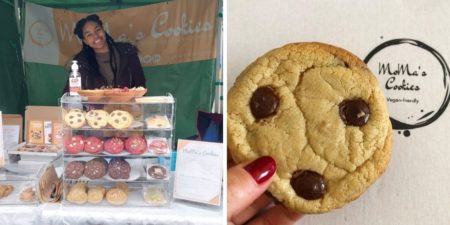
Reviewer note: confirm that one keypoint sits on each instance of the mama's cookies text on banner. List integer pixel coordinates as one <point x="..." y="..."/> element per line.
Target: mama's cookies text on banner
<point x="165" y="33"/>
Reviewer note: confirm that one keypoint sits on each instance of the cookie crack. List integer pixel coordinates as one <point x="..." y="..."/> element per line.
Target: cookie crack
<point x="307" y="134"/>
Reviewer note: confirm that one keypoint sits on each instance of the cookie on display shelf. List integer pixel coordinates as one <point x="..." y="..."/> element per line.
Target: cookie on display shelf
<point x="96" y="168"/>
<point x="114" y="145"/>
<point x="74" y="144"/>
<point x="97" y="118"/>
<point x="95" y="194"/>
<point x="74" y="169"/>
<point x="119" y="168"/>
<point x="75" y="118"/>
<point x="136" y="144"/>
<point x="120" y="119"/>
<point x="93" y="145"/>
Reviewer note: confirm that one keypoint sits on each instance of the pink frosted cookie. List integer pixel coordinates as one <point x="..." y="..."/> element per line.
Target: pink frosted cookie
<point x="74" y="144"/>
<point x="158" y="146"/>
<point x="93" y="145"/>
<point x="136" y="145"/>
<point x="114" y="145"/>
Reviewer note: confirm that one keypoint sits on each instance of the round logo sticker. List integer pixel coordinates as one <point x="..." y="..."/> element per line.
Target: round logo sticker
<point x="415" y="79"/>
<point x="40" y="33"/>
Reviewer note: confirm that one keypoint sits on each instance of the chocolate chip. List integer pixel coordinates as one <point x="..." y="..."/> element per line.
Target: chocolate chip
<point x="354" y="112"/>
<point x="70" y="117"/>
<point x="124" y="118"/>
<point x="99" y="118"/>
<point x="308" y="184"/>
<point x="119" y="113"/>
<point x="264" y="102"/>
<point x="79" y="120"/>
<point x="117" y="121"/>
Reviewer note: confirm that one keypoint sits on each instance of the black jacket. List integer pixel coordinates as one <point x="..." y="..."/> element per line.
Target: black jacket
<point x="130" y="72"/>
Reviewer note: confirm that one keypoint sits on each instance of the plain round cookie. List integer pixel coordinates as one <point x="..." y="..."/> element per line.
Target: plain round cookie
<point x="318" y="111"/>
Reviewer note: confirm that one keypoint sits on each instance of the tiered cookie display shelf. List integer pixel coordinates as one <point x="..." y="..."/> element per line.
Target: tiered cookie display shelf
<point x="116" y="152"/>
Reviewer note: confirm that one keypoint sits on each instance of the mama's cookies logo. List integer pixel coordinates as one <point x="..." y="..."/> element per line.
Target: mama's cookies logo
<point x="415" y="79"/>
<point x="40" y="33"/>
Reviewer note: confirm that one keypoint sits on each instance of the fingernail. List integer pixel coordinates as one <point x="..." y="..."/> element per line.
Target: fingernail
<point x="262" y="169"/>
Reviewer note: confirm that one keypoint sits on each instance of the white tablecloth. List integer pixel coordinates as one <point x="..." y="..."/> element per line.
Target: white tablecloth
<point x="179" y="212"/>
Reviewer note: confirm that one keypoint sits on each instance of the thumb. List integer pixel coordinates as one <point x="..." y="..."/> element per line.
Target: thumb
<point x="248" y="181"/>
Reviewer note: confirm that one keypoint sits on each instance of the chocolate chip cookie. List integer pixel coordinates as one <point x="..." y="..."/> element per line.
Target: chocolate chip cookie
<point x="97" y="118"/>
<point x="318" y="111"/>
<point x="75" y="118"/>
<point x="120" y="119"/>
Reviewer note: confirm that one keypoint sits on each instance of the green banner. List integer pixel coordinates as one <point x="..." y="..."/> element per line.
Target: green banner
<point x="12" y="87"/>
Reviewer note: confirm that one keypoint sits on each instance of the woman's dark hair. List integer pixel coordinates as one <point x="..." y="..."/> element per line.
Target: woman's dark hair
<point x="91" y="59"/>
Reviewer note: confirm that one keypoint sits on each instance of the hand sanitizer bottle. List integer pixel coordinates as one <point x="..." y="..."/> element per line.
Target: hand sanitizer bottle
<point x="74" y="79"/>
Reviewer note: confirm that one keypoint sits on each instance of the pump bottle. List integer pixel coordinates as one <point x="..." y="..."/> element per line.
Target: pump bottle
<point x="74" y="79"/>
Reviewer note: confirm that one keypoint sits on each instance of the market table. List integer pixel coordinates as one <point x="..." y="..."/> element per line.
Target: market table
<point x="179" y="212"/>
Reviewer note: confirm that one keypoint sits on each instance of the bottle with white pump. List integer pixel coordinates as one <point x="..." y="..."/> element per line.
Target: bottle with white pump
<point x="74" y="79"/>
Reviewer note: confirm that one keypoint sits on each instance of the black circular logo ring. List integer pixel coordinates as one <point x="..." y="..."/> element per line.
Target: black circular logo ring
<point x="445" y="69"/>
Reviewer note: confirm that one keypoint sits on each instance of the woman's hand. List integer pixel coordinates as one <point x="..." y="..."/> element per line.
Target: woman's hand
<point x="247" y="202"/>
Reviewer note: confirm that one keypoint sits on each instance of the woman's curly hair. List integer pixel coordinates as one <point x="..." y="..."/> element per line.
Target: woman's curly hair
<point x="91" y="59"/>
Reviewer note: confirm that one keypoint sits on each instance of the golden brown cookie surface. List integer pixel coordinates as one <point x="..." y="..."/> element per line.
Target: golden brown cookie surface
<point x="75" y="118"/>
<point x="120" y="119"/>
<point x="95" y="194"/>
<point x="318" y="111"/>
<point x="97" y="118"/>
<point x="116" y="196"/>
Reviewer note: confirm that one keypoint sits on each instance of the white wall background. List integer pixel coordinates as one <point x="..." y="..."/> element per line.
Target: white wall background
<point x="416" y="187"/>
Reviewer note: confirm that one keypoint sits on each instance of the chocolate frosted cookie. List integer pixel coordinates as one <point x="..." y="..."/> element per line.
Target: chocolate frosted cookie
<point x="318" y="111"/>
<point x="119" y="168"/>
<point x="74" y="169"/>
<point x="96" y="168"/>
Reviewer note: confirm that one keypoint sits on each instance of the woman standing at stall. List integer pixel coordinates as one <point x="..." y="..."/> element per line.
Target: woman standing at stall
<point x="103" y="62"/>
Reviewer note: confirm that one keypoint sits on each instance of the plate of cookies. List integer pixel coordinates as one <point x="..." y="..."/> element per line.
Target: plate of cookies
<point x="92" y="95"/>
<point x="113" y="94"/>
<point x="124" y="94"/>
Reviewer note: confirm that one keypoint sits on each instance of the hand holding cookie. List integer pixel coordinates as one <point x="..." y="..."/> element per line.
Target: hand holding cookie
<point x="247" y="183"/>
<point x="318" y="111"/>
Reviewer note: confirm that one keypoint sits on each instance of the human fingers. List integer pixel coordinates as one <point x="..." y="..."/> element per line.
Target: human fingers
<point x="246" y="182"/>
<point x="260" y="203"/>
<point x="275" y="216"/>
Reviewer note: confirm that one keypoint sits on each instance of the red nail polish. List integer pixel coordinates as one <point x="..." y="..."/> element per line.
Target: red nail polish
<point x="262" y="169"/>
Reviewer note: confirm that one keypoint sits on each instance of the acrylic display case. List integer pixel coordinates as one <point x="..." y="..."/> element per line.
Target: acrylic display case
<point x="118" y="153"/>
